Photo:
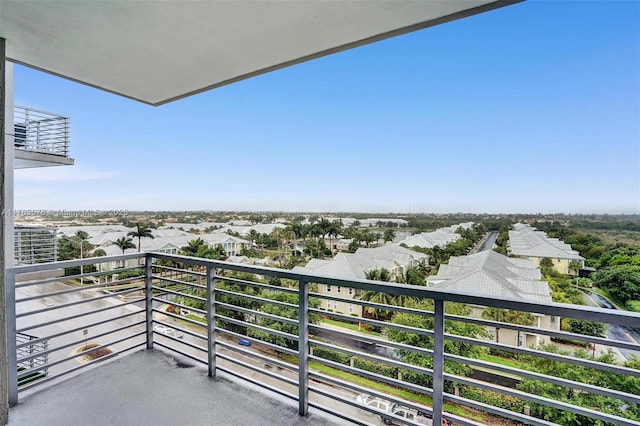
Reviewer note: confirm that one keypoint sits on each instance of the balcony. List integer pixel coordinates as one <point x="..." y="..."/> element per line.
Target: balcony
<point x="41" y="139"/>
<point x="133" y="331"/>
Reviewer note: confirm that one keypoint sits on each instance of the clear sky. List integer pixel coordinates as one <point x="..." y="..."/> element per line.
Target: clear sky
<point x="531" y="108"/>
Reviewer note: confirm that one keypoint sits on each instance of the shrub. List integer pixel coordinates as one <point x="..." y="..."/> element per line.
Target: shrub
<point x="633" y="305"/>
<point x="331" y="355"/>
<point x="376" y="367"/>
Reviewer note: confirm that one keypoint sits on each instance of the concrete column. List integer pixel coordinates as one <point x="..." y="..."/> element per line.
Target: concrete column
<point x="4" y="370"/>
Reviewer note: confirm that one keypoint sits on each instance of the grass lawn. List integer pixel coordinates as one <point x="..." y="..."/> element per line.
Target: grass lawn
<point x="349" y="326"/>
<point x="503" y="361"/>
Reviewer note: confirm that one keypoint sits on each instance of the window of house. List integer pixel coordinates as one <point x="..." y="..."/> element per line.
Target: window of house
<point x="350" y="308"/>
<point x="520" y="339"/>
<point x="328" y="288"/>
<point x="350" y="290"/>
<point x="338" y="289"/>
<point x="553" y="319"/>
<point x="335" y="305"/>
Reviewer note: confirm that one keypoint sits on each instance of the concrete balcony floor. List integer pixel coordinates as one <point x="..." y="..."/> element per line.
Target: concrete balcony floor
<point x="150" y="387"/>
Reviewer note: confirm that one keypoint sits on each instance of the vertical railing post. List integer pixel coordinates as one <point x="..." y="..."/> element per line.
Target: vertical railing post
<point x="148" y="280"/>
<point x="211" y="324"/>
<point x="303" y="347"/>
<point x="12" y="354"/>
<point x="438" y="361"/>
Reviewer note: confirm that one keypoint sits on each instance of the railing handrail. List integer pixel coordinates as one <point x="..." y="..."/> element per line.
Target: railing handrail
<point x="41" y="111"/>
<point x="624" y="318"/>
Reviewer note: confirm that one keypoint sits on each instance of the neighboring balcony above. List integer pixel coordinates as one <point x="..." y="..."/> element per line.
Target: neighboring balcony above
<point x="41" y="139"/>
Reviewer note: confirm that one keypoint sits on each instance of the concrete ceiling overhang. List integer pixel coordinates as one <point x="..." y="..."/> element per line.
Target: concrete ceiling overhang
<point x="160" y="51"/>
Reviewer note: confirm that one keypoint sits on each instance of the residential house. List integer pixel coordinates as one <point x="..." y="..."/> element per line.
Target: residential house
<point x="440" y="237"/>
<point x="489" y="273"/>
<point x="525" y="241"/>
<point x="391" y="257"/>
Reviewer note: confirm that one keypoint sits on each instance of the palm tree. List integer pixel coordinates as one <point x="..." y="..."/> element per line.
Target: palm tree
<point x="193" y="247"/>
<point x="333" y="231"/>
<point x="140" y="232"/>
<point x="124" y="243"/>
<point x="373" y="296"/>
<point x="389" y="235"/>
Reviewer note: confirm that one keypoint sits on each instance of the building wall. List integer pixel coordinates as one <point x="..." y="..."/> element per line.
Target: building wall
<point x="560" y="265"/>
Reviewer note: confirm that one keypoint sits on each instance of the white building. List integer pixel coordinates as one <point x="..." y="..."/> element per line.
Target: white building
<point x="492" y="274"/>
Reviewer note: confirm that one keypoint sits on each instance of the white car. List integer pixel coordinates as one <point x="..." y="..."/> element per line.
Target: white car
<point x="168" y="331"/>
<point x="393" y="409"/>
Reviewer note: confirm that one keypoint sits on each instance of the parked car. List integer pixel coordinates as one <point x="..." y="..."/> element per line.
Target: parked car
<point x="168" y="331"/>
<point x="392" y="409"/>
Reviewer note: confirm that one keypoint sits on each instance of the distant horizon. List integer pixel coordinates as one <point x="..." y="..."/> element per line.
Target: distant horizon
<point x="127" y="212"/>
<point x="531" y="107"/>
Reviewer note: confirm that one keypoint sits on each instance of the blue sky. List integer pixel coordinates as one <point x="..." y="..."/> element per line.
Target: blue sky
<point x="530" y="108"/>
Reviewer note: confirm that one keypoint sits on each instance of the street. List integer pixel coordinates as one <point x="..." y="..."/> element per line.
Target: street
<point x="614" y="332"/>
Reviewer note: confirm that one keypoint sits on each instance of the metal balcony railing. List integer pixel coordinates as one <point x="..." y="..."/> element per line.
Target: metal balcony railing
<point x="35" y="245"/>
<point x="262" y="325"/>
<point x="40" y="131"/>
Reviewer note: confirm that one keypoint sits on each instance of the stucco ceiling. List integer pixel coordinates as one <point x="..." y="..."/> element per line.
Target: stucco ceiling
<point x="159" y="51"/>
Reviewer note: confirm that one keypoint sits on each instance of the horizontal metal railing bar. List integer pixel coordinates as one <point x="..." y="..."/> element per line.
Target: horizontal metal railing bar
<point x="257" y="327"/>
<point x="178" y="328"/>
<point x="549" y="308"/>
<point x="180" y="305"/>
<point x="547" y="355"/>
<point x="39" y="267"/>
<point x="353" y="386"/>
<point x="76" y="368"/>
<point x="502" y="412"/>
<point x="256" y="284"/>
<point x="256" y="382"/>
<point x="77" y="290"/>
<point x="180" y="341"/>
<point x="257" y="299"/>
<point x="256" y="341"/>
<point x="374" y="305"/>
<point x="75" y="276"/>
<point x="76" y="316"/>
<point x="337" y="414"/>
<point x="391" y="398"/>
<point x="77" y="342"/>
<point x="157" y="266"/>
<point x="175" y="293"/>
<point x="545" y="332"/>
<point x="257" y="369"/>
<point x="179" y="317"/>
<point x="416" y="330"/>
<point x="73" y="330"/>
<point x="77" y="302"/>
<point x="541" y="400"/>
<point x="266" y="359"/>
<point x="546" y="378"/>
<point x="376" y="340"/>
<point x="405" y="366"/>
<point x="30" y="110"/>
<point x="176" y="281"/>
<point x="257" y="313"/>
<point x="69" y="358"/>
<point x="181" y="352"/>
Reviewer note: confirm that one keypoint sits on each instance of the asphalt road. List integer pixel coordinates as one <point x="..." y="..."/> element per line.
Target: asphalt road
<point x="490" y="241"/>
<point x="614" y="332"/>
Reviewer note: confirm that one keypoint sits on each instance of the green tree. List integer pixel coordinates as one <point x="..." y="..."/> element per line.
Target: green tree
<point x="508" y="316"/>
<point x="378" y="274"/>
<point x="426" y="341"/>
<point x="140" y="232"/>
<point x="546" y="266"/>
<point x="588" y="328"/>
<point x="621" y="283"/>
<point x="575" y="265"/>
<point x="124" y="243"/>
<point x="389" y="235"/>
